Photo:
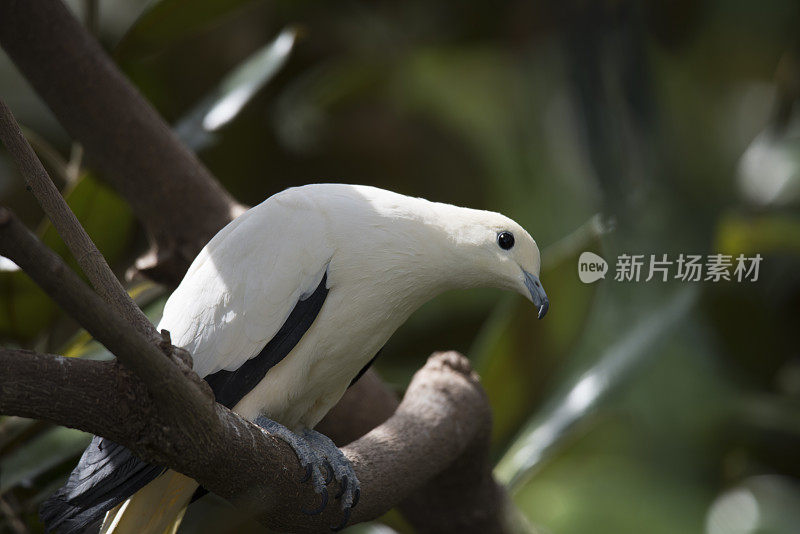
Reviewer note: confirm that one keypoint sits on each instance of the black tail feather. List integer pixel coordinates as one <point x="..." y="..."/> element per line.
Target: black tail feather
<point x="106" y="475"/>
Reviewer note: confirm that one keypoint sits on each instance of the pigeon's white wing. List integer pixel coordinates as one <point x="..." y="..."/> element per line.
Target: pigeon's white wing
<point x="243" y="285"/>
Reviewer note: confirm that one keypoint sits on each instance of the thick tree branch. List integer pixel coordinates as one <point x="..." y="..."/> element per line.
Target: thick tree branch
<point x="171" y="192"/>
<point x="89" y="390"/>
<point x="90" y="260"/>
<point x="442" y="505"/>
<point x="442" y="421"/>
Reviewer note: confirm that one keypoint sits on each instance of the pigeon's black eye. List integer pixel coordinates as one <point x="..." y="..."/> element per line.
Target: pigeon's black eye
<point x="505" y="240"/>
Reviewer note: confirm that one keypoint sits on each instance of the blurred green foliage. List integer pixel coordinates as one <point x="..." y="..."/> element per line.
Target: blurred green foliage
<point x="632" y="407"/>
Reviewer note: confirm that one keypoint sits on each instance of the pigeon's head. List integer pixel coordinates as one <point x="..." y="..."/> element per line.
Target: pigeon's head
<point x="497" y="251"/>
<point x="426" y="247"/>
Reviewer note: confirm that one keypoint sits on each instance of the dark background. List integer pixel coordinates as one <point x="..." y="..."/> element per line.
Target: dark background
<point x="610" y="126"/>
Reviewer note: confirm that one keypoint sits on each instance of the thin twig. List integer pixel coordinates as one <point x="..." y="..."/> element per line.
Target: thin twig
<point x="69" y="228"/>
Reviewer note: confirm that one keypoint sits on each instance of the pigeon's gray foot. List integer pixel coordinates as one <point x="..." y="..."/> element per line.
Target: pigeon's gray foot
<point x="318" y="454"/>
<point x="342" y="470"/>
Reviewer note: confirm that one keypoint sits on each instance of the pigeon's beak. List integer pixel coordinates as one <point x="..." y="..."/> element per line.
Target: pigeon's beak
<point x="538" y="296"/>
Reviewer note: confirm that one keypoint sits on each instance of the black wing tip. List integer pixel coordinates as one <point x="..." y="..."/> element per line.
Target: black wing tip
<point x="62" y="517"/>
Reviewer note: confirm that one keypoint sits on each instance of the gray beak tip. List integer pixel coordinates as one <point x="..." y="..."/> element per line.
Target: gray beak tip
<point x="538" y="296"/>
<point x="543" y="308"/>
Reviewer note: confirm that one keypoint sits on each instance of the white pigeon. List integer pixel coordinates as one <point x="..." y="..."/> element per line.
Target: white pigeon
<point x="282" y="311"/>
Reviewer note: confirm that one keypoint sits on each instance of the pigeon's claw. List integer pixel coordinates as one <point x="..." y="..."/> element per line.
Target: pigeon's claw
<point x="312" y="462"/>
<point x="318" y="454"/>
<point x="342" y="469"/>
<point x="322" y="505"/>
<point x="345" y="519"/>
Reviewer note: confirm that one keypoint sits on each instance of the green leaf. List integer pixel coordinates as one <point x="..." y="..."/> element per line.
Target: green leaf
<point x="104" y="214"/>
<point x="24" y="308"/>
<point x="764" y="233"/>
<point x="13" y="429"/>
<point x="235" y="90"/>
<point x="607" y="493"/>
<point x="40" y="455"/>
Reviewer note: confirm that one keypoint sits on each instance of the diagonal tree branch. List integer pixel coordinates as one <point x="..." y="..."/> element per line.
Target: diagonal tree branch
<point x="80" y="244"/>
<point x="172" y="193"/>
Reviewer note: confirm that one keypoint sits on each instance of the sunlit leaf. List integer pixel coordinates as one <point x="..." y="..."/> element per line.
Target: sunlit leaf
<point x="7" y="265"/>
<point x="769" y="170"/>
<point x="547" y="428"/>
<point x="225" y="102"/>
